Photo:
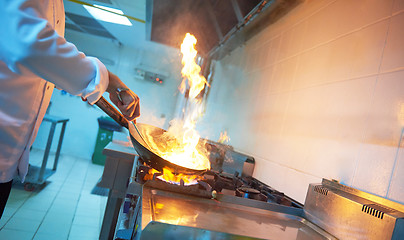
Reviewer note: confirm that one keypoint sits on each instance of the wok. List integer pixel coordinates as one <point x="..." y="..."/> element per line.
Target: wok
<point x="146" y="155"/>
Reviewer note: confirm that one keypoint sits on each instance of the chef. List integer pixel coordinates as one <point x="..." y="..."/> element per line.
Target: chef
<point x="34" y="58"/>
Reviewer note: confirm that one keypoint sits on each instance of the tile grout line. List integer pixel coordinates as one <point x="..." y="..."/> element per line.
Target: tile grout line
<point x="299" y="21"/>
<point x="47" y="211"/>
<point x="28" y="197"/>
<point x="374" y="93"/>
<point x="78" y="200"/>
<point x="393" y="170"/>
<point x="402" y="130"/>
<point x="15" y="211"/>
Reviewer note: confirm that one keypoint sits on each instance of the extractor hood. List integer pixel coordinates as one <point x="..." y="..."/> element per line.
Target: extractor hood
<point x="219" y="25"/>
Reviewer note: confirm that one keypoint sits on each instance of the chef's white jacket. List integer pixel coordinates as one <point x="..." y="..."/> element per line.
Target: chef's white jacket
<point x="34" y="57"/>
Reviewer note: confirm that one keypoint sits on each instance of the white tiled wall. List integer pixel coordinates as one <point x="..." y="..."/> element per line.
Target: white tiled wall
<point x="318" y="94"/>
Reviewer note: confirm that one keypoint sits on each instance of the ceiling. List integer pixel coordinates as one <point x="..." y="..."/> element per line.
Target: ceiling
<point x="78" y="19"/>
<point x="208" y="20"/>
<point x="219" y="25"/>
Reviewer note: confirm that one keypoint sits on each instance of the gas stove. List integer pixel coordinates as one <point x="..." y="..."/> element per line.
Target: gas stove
<point x="229" y="205"/>
<point x="213" y="182"/>
<point x="219" y="206"/>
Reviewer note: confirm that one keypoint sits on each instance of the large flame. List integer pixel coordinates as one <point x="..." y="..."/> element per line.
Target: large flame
<point x="181" y="143"/>
<point x="191" y="70"/>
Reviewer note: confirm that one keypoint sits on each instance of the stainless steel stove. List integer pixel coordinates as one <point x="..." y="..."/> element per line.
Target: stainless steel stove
<point x="221" y="206"/>
<point x="167" y="215"/>
<point x="228" y="206"/>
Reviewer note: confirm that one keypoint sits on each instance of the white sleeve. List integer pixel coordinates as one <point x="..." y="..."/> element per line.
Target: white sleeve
<point x="29" y="42"/>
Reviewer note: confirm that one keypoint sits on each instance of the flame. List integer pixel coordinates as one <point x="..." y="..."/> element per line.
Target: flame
<point x="223" y="137"/>
<point x="168" y="176"/>
<point x="191" y="70"/>
<point x="181" y="143"/>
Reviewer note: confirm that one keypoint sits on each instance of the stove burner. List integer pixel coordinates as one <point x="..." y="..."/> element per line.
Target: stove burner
<point x="213" y="182"/>
<point x="251" y="193"/>
<point x="247" y="190"/>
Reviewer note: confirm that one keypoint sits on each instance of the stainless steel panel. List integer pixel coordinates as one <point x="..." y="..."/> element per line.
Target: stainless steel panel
<point x="347" y="213"/>
<point x="167" y="215"/>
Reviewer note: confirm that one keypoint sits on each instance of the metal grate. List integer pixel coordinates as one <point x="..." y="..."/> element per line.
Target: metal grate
<point x="321" y="190"/>
<point x="376" y="210"/>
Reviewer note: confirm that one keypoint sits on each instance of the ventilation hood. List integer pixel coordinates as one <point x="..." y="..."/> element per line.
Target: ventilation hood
<point x="219" y="25"/>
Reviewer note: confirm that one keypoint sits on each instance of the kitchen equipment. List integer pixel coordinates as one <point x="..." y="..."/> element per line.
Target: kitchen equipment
<point x="160" y="210"/>
<point x="147" y="156"/>
<point x="118" y="170"/>
<point x="331" y="211"/>
<point x="167" y="215"/>
<point x="349" y="213"/>
<point x="224" y="158"/>
<point x="37" y="175"/>
<point x="251" y="193"/>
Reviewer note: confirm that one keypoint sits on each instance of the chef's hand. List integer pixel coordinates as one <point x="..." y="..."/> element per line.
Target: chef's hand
<point x="126" y="100"/>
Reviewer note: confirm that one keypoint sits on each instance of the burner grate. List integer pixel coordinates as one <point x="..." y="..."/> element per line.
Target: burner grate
<point x="212" y="183"/>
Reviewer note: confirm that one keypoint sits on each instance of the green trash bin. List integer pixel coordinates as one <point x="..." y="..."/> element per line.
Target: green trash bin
<point x="106" y="128"/>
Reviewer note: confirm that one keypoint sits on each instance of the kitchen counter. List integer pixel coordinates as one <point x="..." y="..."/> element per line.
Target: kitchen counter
<point x="119" y="162"/>
<point x="116" y="177"/>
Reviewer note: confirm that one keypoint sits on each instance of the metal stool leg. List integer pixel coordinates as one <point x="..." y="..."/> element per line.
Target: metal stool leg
<point x="46" y="154"/>
<point x="62" y="133"/>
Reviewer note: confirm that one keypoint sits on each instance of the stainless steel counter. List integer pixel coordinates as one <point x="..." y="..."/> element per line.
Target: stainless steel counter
<point x="331" y="211"/>
<point x="167" y="215"/>
<point x="117" y="172"/>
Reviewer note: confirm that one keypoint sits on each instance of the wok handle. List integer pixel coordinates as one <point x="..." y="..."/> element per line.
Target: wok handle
<point x="112" y="112"/>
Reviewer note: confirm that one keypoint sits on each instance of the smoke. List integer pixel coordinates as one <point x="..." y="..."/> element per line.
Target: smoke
<point x="149" y="117"/>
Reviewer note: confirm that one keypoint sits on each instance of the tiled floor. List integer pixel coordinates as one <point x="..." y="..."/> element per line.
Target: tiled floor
<point x="63" y="209"/>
